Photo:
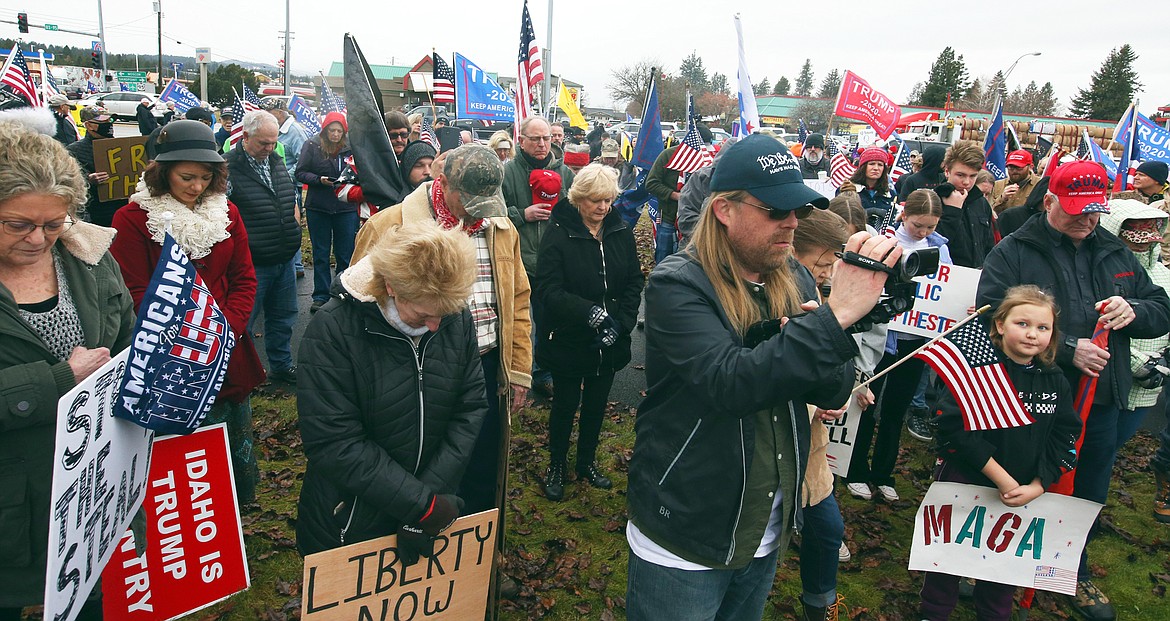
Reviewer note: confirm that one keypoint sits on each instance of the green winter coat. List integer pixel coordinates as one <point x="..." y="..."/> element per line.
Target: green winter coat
<point x="518" y="197"/>
<point x="31" y="381"/>
<point x="1119" y="212"/>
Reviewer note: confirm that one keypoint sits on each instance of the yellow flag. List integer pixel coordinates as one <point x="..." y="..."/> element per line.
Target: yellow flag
<point x="627" y="147"/>
<point x="569" y="107"/>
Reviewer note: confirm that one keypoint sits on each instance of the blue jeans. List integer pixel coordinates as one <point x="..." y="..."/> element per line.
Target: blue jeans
<point x="276" y="297"/>
<point x="665" y="242"/>
<point x="330" y="233"/>
<point x="820" y="544"/>
<point x="919" y="400"/>
<point x="654" y="592"/>
<point x="1095" y="465"/>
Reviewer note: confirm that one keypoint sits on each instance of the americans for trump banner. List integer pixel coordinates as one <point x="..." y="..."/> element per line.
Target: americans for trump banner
<point x="179" y="354"/>
<point x="183" y="99"/>
<point x="479" y="97"/>
<point x="964" y="530"/>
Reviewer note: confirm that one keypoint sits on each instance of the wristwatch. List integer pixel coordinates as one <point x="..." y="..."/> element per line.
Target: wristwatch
<point x="1071" y="342"/>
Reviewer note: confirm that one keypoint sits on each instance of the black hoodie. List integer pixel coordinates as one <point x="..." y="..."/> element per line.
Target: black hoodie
<point x="928" y="177"/>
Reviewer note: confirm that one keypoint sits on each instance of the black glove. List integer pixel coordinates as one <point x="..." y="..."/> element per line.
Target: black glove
<point x="442" y="511"/>
<point x="597" y="316"/>
<point x="606" y="337"/>
<point x="412" y="543"/>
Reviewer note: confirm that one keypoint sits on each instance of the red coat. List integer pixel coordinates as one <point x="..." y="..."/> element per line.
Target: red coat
<point x="228" y="273"/>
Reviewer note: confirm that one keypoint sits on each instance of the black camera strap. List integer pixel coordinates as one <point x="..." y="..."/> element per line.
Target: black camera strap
<point x="873" y="265"/>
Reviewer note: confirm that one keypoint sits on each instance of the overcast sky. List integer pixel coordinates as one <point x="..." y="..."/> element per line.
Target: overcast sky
<point x="891" y="44"/>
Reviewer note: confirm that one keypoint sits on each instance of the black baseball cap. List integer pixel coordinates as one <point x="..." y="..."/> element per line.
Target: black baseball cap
<point x="763" y="167"/>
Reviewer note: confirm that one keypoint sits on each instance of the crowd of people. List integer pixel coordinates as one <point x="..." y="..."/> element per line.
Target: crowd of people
<point x="505" y="269"/>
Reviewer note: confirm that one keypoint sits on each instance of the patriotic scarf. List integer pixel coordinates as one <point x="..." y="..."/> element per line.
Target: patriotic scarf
<point x="443" y="213"/>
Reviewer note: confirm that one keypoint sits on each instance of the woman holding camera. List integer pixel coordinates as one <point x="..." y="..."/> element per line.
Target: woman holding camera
<point x="333" y="223"/>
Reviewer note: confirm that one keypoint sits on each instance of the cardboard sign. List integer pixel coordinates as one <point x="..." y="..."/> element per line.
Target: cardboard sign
<point x="99" y="479"/>
<point x="941" y="301"/>
<point x="123" y="159"/>
<point x="858" y="100"/>
<point x="824" y="186"/>
<point x="964" y="530"/>
<point x="195" y="555"/>
<point x="842" y="433"/>
<point x="367" y="581"/>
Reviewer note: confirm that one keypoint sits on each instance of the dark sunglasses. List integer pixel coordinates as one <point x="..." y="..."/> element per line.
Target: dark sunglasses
<point x="399" y="135"/>
<point x="801" y="212"/>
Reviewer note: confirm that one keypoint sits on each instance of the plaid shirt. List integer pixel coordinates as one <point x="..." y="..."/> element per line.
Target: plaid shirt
<point x="261" y="168"/>
<point x="482" y="302"/>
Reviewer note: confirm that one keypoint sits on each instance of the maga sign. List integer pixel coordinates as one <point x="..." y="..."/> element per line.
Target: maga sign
<point x="858" y="100"/>
<point x="964" y="530"/>
<point x="479" y="95"/>
<point x="367" y="581"/>
<point x="195" y="555"/>
<point x="941" y="300"/>
<point x="99" y="475"/>
<point x="123" y="159"/>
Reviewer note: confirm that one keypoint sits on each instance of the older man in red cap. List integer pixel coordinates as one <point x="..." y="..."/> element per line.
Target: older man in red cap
<point x="1094" y="277"/>
<point x="1021" y="181"/>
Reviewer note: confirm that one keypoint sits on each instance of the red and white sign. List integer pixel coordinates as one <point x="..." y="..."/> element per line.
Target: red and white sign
<point x="195" y="556"/>
<point x="858" y="100"/>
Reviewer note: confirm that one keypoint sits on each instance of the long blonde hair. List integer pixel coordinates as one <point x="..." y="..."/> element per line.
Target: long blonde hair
<point x="712" y="248"/>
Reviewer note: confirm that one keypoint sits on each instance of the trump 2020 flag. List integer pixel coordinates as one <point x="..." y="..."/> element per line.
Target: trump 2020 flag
<point x="179" y="354"/>
<point x="968" y="364"/>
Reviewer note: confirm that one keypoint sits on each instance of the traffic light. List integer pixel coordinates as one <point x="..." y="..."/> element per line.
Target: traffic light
<point x="22" y="22"/>
<point x="95" y="57"/>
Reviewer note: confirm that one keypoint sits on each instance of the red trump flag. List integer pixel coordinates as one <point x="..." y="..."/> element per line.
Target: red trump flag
<point x="858" y="100"/>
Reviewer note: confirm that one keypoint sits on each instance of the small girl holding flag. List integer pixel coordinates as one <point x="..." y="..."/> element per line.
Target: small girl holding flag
<point x="1020" y="461"/>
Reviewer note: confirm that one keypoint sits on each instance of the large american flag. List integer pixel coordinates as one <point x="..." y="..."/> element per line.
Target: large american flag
<point x="443" y="79"/>
<point x="691" y="154"/>
<point x="427" y="133"/>
<point x="840" y="168"/>
<point x="530" y="73"/>
<point x="968" y="364"/>
<point x="17" y="77"/>
<point x="238" y="111"/>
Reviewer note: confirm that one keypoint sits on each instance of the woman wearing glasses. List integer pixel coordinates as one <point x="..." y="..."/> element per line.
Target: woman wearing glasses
<point x="187" y="180"/>
<point x="63" y="311"/>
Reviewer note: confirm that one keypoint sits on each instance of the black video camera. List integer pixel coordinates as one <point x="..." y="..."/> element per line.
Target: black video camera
<point x="898" y="295"/>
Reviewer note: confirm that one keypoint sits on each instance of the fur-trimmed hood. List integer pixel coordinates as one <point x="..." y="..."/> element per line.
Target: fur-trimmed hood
<point x="88" y="242"/>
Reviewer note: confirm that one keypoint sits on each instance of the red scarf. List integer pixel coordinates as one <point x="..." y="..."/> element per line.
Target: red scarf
<point x="443" y="213"/>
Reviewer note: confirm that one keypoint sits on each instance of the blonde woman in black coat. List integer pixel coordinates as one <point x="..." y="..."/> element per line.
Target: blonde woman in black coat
<point x="589" y="280"/>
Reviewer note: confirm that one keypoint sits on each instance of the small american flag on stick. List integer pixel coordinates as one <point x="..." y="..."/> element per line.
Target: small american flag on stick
<point x="691" y="154"/>
<point x="840" y="168"/>
<point x="426" y="133"/>
<point x="968" y="364"/>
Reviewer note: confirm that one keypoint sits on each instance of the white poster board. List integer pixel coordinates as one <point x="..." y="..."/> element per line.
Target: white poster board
<point x="842" y="433"/>
<point x="964" y="530"/>
<point x="99" y="474"/>
<point x="941" y="301"/>
<point x="825" y="187"/>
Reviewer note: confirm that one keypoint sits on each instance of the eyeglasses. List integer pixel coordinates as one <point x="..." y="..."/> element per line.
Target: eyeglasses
<point x="801" y="212"/>
<point x="538" y="138"/>
<point x="402" y="135"/>
<point x="20" y="228"/>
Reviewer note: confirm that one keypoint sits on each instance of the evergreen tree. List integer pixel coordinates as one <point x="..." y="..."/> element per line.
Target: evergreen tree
<point x="719" y="83"/>
<point x="830" y="85"/>
<point x="1046" y="104"/>
<point x="693" y="72"/>
<point x="1112" y="88"/>
<point x="782" y="86"/>
<point x="948" y="76"/>
<point x="764" y="87"/>
<point x="804" y="81"/>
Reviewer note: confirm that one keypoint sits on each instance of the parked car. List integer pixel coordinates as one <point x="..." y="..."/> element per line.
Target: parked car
<point x="123" y="105"/>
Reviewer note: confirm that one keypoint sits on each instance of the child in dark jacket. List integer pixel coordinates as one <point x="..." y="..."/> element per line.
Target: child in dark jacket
<point x="1021" y="462"/>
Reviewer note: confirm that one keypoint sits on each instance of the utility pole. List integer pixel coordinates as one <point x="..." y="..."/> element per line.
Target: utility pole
<point x="287" y="46"/>
<point x="102" y="38"/>
<point x="158" y="9"/>
<point x="548" y="103"/>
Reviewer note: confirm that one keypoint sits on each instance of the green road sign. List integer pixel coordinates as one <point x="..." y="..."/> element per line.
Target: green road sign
<point x="130" y="76"/>
<point x="50" y="26"/>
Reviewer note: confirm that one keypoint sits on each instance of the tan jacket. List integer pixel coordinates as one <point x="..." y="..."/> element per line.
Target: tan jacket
<point x="508" y="275"/>
<point x="818" y="478"/>
<point x="999" y="202"/>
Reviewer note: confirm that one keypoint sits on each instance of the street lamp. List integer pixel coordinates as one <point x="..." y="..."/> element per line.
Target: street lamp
<point x="1013" y="65"/>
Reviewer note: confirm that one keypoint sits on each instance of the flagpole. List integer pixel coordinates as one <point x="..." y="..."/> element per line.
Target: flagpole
<point x="430" y="96"/>
<point x="978" y="312"/>
<point x="1114" y="138"/>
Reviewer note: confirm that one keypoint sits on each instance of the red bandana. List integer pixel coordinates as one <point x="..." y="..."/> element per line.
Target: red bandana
<point x="443" y="213"/>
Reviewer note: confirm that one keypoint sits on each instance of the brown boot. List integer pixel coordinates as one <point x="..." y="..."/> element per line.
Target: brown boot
<point x="1162" y="496"/>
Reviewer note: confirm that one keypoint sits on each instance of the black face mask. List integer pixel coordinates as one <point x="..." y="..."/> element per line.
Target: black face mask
<point x="105" y="130"/>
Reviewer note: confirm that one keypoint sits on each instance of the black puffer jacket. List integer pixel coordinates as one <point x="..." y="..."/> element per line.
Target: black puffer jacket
<point x="1028" y="256"/>
<point x="273" y="233"/>
<point x="385" y="424"/>
<point x="574" y="273"/>
<point x="1045" y="449"/>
